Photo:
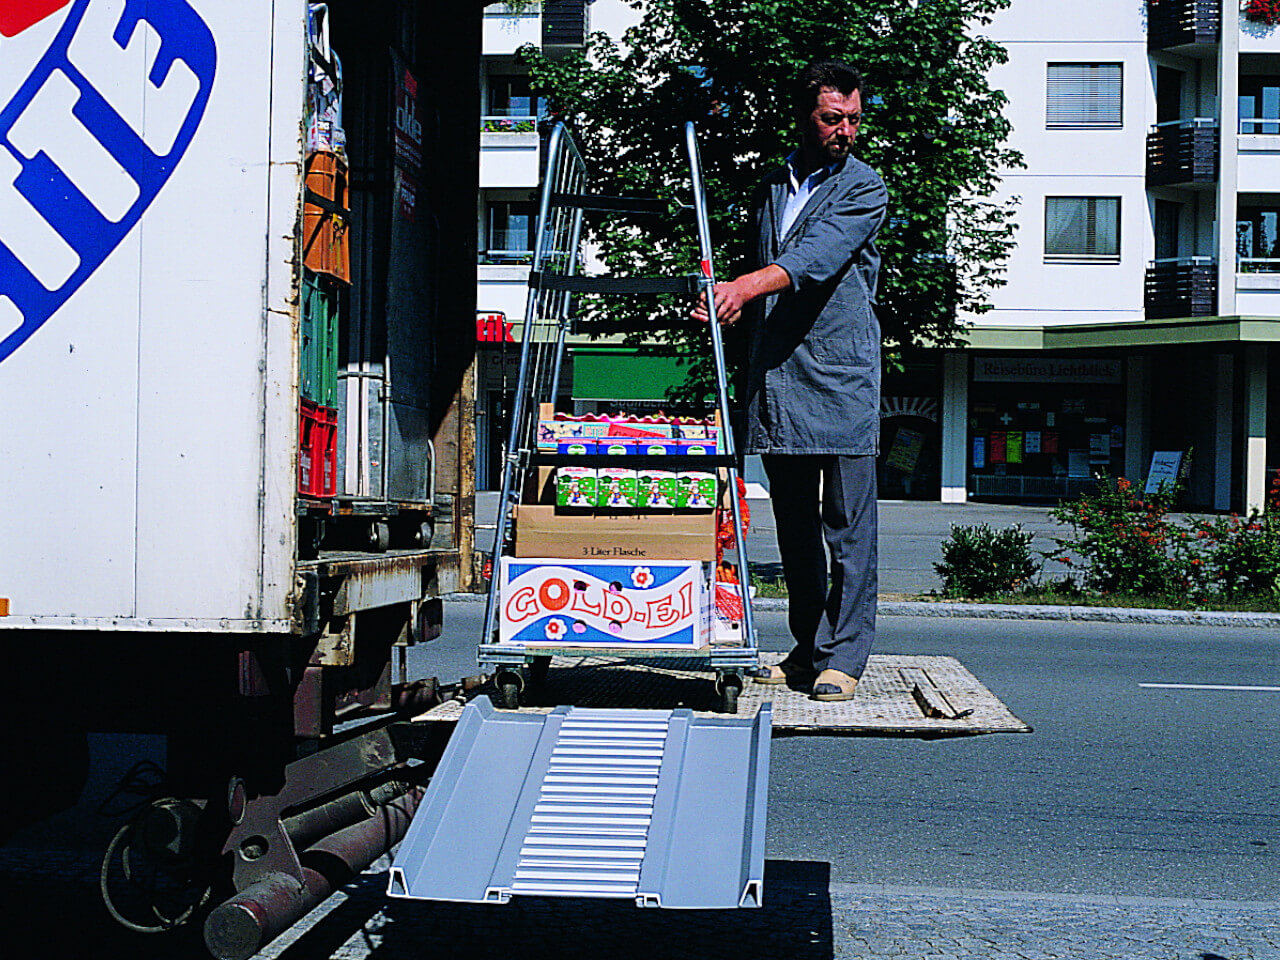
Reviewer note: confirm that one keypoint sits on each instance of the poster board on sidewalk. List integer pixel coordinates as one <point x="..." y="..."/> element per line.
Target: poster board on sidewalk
<point x="1166" y="466"/>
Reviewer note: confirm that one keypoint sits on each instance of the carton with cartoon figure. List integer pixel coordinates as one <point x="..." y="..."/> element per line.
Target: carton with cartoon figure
<point x="576" y="487"/>
<point x="697" y="490"/>
<point x="655" y="490"/>
<point x="615" y="488"/>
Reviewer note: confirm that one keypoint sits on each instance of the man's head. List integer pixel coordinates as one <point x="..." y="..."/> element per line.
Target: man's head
<point x="827" y="98"/>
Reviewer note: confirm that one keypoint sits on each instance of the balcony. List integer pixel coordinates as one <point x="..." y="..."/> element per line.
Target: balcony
<point x="564" y="23"/>
<point x="1183" y="287"/>
<point x="1183" y="24"/>
<point x="506" y="30"/>
<point x="509" y="149"/>
<point x="1182" y="153"/>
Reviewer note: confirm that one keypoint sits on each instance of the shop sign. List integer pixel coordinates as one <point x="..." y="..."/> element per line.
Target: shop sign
<point x="493" y="328"/>
<point x="604" y="603"/>
<point x="408" y="126"/>
<point x="406" y="195"/>
<point x="1045" y="370"/>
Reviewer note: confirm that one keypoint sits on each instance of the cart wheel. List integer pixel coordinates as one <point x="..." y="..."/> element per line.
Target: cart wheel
<point x="509" y="686"/>
<point x="729" y="686"/>
<point x="422" y="537"/>
<point x="379" y="536"/>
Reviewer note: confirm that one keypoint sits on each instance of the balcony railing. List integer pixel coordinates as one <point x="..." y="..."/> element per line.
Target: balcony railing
<point x="1260" y="125"/>
<point x="1182" y="287"/>
<point x="564" y="23"/>
<point x="1182" y="152"/>
<point x="1177" y="23"/>
<point x="1257" y="265"/>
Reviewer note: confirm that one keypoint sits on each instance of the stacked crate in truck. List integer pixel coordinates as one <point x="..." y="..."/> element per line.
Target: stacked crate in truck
<point x="326" y="254"/>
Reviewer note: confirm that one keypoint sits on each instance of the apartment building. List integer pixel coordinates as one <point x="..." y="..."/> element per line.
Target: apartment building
<point x="1143" y="296"/>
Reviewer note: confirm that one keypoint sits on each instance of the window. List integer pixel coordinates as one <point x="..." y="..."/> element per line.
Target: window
<point x="1258" y="240"/>
<point x="509" y="230"/>
<point x="1259" y="100"/>
<point x="1084" y="95"/>
<point x="511" y="97"/>
<point x="1082" y="228"/>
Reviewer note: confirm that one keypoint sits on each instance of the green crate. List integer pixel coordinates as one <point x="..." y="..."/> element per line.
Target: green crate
<point x="318" y="349"/>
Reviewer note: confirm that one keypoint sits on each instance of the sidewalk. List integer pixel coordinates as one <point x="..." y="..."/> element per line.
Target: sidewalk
<point x="911" y="536"/>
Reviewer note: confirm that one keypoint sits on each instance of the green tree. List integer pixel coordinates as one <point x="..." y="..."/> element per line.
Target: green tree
<point x="933" y="129"/>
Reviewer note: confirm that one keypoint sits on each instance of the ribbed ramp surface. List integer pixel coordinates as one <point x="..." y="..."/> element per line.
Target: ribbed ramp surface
<point x="657" y="806"/>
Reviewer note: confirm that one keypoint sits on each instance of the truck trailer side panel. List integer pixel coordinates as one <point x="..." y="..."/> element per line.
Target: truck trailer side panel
<point x="151" y="418"/>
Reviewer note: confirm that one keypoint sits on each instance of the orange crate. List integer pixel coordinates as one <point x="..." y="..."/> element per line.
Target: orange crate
<point x="326" y="218"/>
<point x="317" y="449"/>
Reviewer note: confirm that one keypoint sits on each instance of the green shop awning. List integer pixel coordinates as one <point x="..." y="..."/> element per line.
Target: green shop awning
<point x="619" y="373"/>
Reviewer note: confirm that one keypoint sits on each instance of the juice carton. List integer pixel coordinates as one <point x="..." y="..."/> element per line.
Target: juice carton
<point x="697" y="490"/>
<point x="697" y="447"/>
<point x="576" y="486"/>
<point x="615" y="488"/>
<point x="617" y="446"/>
<point x="577" y="448"/>
<point x="659" y="447"/>
<point x="655" y="490"/>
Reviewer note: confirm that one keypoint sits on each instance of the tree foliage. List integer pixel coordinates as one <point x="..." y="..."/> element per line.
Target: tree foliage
<point x="933" y="128"/>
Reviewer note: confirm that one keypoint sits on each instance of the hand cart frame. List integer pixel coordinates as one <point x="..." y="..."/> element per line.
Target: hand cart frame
<point x="553" y="279"/>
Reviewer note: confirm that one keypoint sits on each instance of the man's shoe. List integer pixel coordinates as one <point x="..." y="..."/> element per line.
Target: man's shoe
<point x="784" y="672"/>
<point x="834" y="685"/>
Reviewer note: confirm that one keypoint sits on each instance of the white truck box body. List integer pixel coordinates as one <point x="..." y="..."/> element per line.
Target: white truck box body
<point x="149" y="421"/>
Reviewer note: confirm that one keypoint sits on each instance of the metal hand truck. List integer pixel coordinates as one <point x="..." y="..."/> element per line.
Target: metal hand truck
<point x="553" y="280"/>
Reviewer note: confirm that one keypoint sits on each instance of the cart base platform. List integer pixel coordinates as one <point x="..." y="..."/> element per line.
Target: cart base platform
<point x="898" y="696"/>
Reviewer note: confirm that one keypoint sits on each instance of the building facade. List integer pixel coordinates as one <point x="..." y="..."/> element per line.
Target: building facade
<point x="1143" y="295"/>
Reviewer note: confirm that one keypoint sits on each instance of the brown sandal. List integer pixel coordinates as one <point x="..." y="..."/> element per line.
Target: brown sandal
<point x="834" y="685"/>
<point x="784" y="672"/>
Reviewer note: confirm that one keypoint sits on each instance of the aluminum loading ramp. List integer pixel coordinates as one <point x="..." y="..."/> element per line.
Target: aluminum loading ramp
<point x="658" y="806"/>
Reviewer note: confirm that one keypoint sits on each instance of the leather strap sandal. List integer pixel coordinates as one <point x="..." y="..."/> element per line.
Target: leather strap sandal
<point x="834" y="685"/>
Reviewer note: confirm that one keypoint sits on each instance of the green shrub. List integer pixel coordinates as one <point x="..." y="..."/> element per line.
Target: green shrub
<point x="1242" y="554"/>
<point x="1123" y="539"/>
<point x="981" y="562"/>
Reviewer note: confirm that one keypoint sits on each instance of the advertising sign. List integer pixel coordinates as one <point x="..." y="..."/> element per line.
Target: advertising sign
<point x="604" y="603"/>
<point x="78" y="164"/>
<point x="408" y="125"/>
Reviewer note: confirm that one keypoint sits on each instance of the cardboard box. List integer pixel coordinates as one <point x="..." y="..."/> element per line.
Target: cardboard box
<point x="652" y="493"/>
<point x="576" y="486"/>
<point x="557" y="602"/>
<point x="616" y="489"/>
<point x="697" y="448"/>
<point x="697" y="490"/>
<point x="543" y="531"/>
<point x="618" y="446"/>
<point x="577" y="448"/>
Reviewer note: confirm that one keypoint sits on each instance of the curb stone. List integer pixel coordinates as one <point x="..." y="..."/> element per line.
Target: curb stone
<point x="1015" y="611"/>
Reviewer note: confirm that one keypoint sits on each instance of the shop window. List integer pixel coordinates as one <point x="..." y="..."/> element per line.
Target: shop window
<point x="1082" y="228"/>
<point x="1259" y="102"/>
<point x="509" y="231"/>
<point x="1085" y="95"/>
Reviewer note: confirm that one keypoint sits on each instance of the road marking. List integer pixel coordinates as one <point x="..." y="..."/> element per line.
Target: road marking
<point x="1207" y="686"/>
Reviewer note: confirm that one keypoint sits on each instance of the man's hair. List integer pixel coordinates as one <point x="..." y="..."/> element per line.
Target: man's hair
<point x="823" y="73"/>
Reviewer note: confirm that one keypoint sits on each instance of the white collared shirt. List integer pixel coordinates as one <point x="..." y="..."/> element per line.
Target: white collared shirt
<point x="798" y="193"/>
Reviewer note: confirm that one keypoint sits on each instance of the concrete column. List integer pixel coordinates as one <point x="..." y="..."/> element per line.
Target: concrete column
<point x="1255" y="426"/>
<point x="955" y="427"/>
<point x="1228" y="146"/>
<point x="1223" y="407"/>
<point x="1137" y="446"/>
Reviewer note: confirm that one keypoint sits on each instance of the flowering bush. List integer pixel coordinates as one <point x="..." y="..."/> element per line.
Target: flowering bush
<point x="981" y="562"/>
<point x="1262" y="11"/>
<point x="1124" y="539"/>
<point x="1243" y="553"/>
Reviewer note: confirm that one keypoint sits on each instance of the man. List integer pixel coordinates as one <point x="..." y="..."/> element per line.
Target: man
<point x="813" y="378"/>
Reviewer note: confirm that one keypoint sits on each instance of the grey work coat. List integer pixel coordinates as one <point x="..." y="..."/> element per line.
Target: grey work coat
<point x="813" y="370"/>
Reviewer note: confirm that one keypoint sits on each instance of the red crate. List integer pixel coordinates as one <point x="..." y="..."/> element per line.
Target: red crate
<point x="317" y="449"/>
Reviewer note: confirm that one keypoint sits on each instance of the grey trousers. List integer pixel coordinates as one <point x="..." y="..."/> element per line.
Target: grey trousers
<point x="833" y="624"/>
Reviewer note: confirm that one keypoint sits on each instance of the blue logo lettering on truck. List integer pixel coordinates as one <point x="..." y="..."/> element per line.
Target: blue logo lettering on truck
<point x="79" y="164"/>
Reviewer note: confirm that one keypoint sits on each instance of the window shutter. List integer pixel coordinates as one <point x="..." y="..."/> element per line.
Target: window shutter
<point x="1085" y="95"/>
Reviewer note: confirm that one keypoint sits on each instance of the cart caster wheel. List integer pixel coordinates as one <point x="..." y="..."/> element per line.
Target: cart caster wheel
<point x="509" y="689"/>
<point x="422" y="536"/>
<point x="728" y="687"/>
<point x="379" y="536"/>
